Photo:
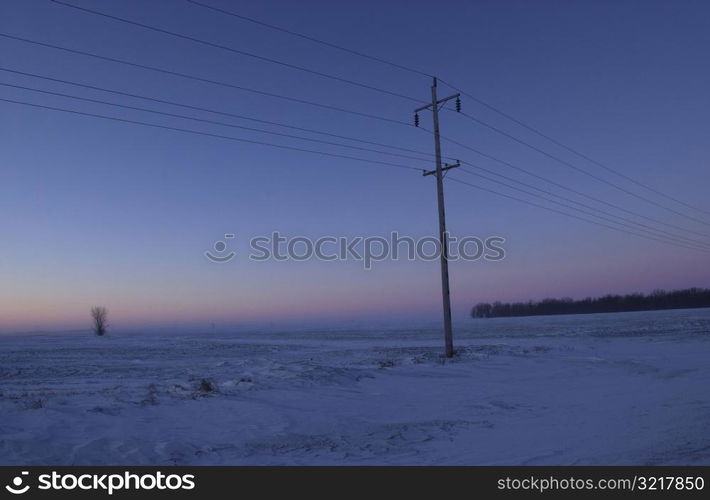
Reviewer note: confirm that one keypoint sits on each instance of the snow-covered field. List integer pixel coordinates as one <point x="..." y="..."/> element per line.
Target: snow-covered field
<point x="629" y="388"/>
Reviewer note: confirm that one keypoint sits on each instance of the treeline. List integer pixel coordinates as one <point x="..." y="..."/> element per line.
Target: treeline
<point x="658" y="299"/>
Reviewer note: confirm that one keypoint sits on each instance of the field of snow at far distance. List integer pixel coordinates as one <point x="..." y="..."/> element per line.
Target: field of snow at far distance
<point x="630" y="388"/>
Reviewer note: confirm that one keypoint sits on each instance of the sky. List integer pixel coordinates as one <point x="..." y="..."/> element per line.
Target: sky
<point x="94" y="211"/>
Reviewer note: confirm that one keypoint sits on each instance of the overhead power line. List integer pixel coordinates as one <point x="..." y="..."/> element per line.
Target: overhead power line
<point x="573" y="190"/>
<point x="643" y="226"/>
<point x="239" y="51"/>
<point x="321" y="153"/>
<point x="624" y="231"/>
<point x="471" y="96"/>
<point x="312" y="39"/>
<point x="209" y="110"/>
<point x="591" y="211"/>
<point x="317" y="104"/>
<point x="208" y="80"/>
<point x="572" y="150"/>
<point x="211" y="122"/>
<point x="579" y="169"/>
<point x="207" y="134"/>
<point x="297" y="137"/>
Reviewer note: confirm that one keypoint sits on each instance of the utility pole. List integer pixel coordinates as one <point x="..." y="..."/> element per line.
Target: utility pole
<point x="443" y="237"/>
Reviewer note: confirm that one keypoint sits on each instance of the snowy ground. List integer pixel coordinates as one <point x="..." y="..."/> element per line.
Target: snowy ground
<point x="628" y="388"/>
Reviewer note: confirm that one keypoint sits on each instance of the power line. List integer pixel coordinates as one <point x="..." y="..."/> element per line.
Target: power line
<point x="210" y="81"/>
<point x="581" y="170"/>
<point x="473" y="97"/>
<point x="572" y="190"/>
<point x="208" y="110"/>
<point x="207" y="134"/>
<point x="611" y="217"/>
<point x="238" y="51"/>
<point x="312" y="39"/>
<point x="570" y="149"/>
<point x="624" y="231"/>
<point x="228" y="85"/>
<point x="342" y="145"/>
<point x="214" y="111"/>
<point x="290" y="148"/>
<point x="569" y="200"/>
<point x="212" y="122"/>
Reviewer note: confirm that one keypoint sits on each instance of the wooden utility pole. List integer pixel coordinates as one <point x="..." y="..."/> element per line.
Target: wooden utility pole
<point x="443" y="237"/>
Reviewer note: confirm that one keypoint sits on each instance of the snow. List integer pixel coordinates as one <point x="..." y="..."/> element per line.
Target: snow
<point x="618" y="389"/>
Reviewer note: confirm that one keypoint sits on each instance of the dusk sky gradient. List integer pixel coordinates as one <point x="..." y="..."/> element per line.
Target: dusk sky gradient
<point x="94" y="212"/>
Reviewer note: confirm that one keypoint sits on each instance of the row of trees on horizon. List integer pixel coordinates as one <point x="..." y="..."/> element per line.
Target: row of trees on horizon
<point x="656" y="300"/>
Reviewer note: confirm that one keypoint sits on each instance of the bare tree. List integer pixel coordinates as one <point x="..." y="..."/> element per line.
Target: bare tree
<point x="99" y="316"/>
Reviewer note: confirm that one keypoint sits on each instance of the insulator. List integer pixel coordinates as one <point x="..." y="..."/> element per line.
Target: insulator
<point x="458" y="104"/>
<point x="416" y="119"/>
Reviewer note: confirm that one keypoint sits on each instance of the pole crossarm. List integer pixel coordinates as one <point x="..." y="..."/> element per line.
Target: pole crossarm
<point x="447" y="166"/>
<point x="440" y="101"/>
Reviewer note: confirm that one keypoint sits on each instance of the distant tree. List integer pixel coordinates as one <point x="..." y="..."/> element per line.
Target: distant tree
<point x="482" y="310"/>
<point x="99" y="316"/>
<point x="658" y="299"/>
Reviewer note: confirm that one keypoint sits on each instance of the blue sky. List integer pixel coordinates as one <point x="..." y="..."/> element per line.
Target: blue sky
<point x="99" y="212"/>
